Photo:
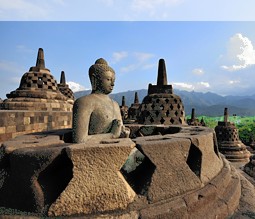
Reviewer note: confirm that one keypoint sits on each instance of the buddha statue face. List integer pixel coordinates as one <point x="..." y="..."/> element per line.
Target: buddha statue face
<point x="105" y="82"/>
<point x="102" y="77"/>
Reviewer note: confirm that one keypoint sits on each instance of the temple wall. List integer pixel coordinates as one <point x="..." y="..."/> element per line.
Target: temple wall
<point x="17" y="122"/>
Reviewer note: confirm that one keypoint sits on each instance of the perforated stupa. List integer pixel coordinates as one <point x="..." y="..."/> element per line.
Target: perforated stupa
<point x="64" y="88"/>
<point x="38" y="90"/>
<point x="228" y="140"/>
<point x="161" y="105"/>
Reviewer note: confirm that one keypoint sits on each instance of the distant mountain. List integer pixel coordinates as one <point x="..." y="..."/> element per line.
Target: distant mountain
<point x="209" y="104"/>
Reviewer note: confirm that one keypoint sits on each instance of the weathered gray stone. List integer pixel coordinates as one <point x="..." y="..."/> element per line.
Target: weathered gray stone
<point x="169" y="156"/>
<point x="202" y="139"/>
<point x="97" y="184"/>
<point x="229" y="142"/>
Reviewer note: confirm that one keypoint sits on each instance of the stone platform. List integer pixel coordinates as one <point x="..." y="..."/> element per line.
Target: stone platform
<point x="182" y="175"/>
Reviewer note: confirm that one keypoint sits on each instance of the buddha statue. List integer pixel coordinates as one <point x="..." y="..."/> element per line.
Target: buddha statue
<point x="96" y="116"/>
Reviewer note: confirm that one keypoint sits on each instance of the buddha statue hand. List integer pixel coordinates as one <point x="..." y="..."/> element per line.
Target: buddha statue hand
<point x="125" y="132"/>
<point x="116" y="128"/>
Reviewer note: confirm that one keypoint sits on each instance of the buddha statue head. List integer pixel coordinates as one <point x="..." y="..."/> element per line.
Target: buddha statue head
<point x="102" y="77"/>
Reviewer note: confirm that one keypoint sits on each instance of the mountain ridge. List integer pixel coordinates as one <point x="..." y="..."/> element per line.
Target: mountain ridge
<point x="208" y="104"/>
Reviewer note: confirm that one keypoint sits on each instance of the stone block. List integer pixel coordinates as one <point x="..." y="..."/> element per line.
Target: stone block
<point x="170" y="159"/>
<point x="2" y="130"/>
<point x="20" y="128"/>
<point x="5" y="137"/>
<point x="29" y="127"/>
<point x="31" y="141"/>
<point x="97" y="184"/>
<point x="26" y="120"/>
<point x="36" y="178"/>
<point x="10" y="129"/>
<point x="202" y="139"/>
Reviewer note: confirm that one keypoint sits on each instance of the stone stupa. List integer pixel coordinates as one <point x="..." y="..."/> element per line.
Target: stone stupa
<point x="133" y="110"/>
<point x="228" y="140"/>
<point x="124" y="109"/>
<point x="38" y="91"/>
<point x="64" y="88"/>
<point x="161" y="105"/>
<point x="193" y="120"/>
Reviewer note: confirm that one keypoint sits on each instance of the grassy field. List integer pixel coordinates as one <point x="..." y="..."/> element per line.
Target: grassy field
<point x="245" y="125"/>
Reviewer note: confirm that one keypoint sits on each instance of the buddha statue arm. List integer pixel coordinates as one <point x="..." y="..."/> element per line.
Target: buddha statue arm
<point x="124" y="131"/>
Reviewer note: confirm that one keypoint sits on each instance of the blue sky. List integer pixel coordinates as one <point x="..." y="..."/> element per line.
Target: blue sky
<point x="200" y="54"/>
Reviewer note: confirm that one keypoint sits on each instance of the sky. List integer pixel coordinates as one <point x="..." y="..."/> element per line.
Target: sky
<point x="208" y="46"/>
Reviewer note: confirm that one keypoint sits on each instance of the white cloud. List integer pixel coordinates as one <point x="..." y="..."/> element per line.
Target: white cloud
<point x="196" y="86"/>
<point x="128" y="68"/>
<point x="142" y="57"/>
<point x="234" y="82"/>
<point x="240" y="53"/>
<point x="141" y="61"/>
<point x="118" y="56"/>
<point x="75" y="86"/>
<point x="203" y="84"/>
<point x="24" y="49"/>
<point x="185" y="86"/>
<point x="198" y="71"/>
<point x="149" y="66"/>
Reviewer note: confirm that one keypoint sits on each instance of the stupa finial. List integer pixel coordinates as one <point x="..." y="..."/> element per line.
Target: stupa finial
<point x="123" y="101"/>
<point x="63" y="78"/>
<point x="193" y="114"/>
<point x="136" y="100"/>
<point x="40" y="63"/>
<point x="162" y="77"/>
<point x="226" y="115"/>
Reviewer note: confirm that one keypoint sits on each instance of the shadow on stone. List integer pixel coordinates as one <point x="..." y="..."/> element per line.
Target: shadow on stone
<point x="157" y="130"/>
<point x="215" y="145"/>
<point x="54" y="179"/>
<point x="67" y="137"/>
<point x="140" y="178"/>
<point x="194" y="160"/>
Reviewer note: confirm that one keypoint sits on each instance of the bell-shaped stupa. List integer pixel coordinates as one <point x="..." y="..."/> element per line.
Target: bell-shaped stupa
<point x="64" y="88"/>
<point x="133" y="110"/>
<point x="193" y="120"/>
<point x="161" y="105"/>
<point x="228" y="141"/>
<point x="124" y="109"/>
<point x="38" y="91"/>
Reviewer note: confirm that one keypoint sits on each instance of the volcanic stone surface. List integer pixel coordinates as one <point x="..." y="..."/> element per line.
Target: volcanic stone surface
<point x="38" y="91"/>
<point x="182" y="175"/>
<point x="64" y="88"/>
<point x="133" y="110"/>
<point x="229" y="143"/>
<point x="161" y="105"/>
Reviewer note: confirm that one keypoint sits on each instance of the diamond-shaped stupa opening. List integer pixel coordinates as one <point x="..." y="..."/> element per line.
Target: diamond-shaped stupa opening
<point x="138" y="171"/>
<point x="194" y="160"/>
<point x="55" y="178"/>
